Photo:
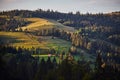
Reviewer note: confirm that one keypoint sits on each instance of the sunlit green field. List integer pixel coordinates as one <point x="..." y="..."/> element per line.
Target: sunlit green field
<point x="56" y="43"/>
<point x="25" y="40"/>
<point x="19" y="39"/>
<point x="28" y="41"/>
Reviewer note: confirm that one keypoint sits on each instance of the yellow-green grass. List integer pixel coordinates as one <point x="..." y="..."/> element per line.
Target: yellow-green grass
<point x="28" y="41"/>
<point x="34" y="55"/>
<point x="3" y="16"/>
<point x="56" y="43"/>
<point x="61" y="26"/>
<point x="20" y="39"/>
<point x="25" y="40"/>
<point x="42" y="23"/>
<point x="38" y="23"/>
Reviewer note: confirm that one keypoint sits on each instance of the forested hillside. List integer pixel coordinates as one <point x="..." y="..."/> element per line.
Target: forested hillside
<point x="75" y="20"/>
<point x="50" y="45"/>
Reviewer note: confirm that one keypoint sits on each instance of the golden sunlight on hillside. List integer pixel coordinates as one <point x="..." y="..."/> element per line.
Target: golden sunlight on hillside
<point x="37" y="23"/>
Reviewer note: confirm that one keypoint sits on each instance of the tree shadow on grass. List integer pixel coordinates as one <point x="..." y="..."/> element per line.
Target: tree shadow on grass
<point x="4" y="39"/>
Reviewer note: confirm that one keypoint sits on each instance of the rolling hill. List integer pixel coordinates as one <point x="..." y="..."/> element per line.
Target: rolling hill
<point x="42" y="23"/>
<point x="28" y="40"/>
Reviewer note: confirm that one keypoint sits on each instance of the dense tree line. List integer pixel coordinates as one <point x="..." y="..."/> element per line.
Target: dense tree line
<point x="93" y="25"/>
<point x="20" y="66"/>
<point x="95" y="31"/>
<point x="70" y="19"/>
<point x="84" y="39"/>
<point x="10" y="24"/>
<point x="114" y="39"/>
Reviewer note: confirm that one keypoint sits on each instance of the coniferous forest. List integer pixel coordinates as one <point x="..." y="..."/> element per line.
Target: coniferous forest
<point x="50" y="45"/>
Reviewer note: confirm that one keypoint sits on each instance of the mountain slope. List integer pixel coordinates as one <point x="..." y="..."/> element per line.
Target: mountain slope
<point x="41" y="23"/>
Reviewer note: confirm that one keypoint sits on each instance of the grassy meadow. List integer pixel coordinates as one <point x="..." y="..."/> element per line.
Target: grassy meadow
<point x="19" y="39"/>
<point x="28" y="40"/>
<point x="25" y="40"/>
<point x="41" y="23"/>
<point x="37" y="23"/>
